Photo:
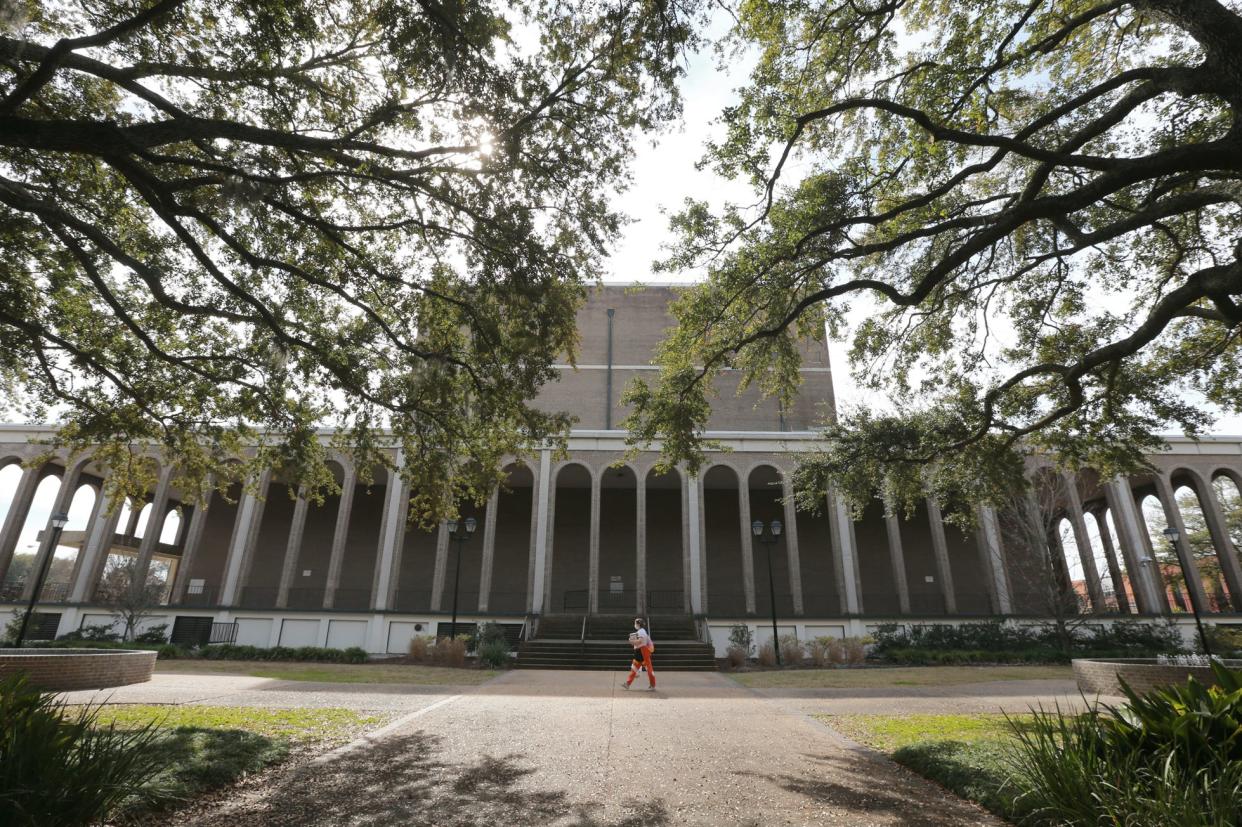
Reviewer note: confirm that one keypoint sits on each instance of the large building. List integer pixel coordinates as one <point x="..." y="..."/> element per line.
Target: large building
<point x="591" y="534"/>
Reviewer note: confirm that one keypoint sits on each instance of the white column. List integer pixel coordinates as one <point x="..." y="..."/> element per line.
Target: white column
<point x="441" y="566"/>
<point x="340" y="532"/>
<point x="1222" y="543"/>
<point x="292" y="547"/>
<point x="16" y="518"/>
<point x="99" y="534"/>
<point x="189" y="549"/>
<point x="533" y="555"/>
<point x="1173" y="516"/>
<point x="640" y="545"/>
<point x="489" y="549"/>
<point x="694" y="544"/>
<point x="75" y="574"/>
<point x="392" y="532"/>
<point x="846" y="554"/>
<point x="992" y="552"/>
<point x="1114" y="569"/>
<point x="241" y="541"/>
<point x="155" y="527"/>
<point x="398" y="557"/>
<point x="546" y="505"/>
<point x="940" y="549"/>
<point x="748" y="546"/>
<point x="793" y="559"/>
<point x="593" y="561"/>
<point x="897" y="559"/>
<point x="64" y="496"/>
<point x="1086" y="555"/>
<point x="1131" y="533"/>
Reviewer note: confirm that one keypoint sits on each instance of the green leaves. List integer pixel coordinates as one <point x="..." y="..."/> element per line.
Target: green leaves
<point x="238" y="223"/>
<point x="1023" y="203"/>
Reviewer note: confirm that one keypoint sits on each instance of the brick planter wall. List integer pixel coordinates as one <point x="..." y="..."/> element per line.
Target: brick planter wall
<point x="61" y="670"/>
<point x="1099" y="677"/>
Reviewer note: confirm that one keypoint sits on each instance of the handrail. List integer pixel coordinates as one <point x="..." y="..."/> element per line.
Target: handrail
<point x="582" y="638"/>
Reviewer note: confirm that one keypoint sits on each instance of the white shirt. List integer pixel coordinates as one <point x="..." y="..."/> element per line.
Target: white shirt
<point x="644" y="639"/>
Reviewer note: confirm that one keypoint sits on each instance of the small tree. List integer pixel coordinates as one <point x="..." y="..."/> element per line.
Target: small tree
<point x="1028" y="521"/>
<point x="129" y="604"/>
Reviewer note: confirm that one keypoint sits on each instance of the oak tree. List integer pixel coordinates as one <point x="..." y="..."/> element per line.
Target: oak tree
<point x="227" y="224"/>
<point x="1033" y="205"/>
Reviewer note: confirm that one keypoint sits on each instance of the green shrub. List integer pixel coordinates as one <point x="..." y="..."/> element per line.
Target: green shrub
<point x="96" y="633"/>
<point x="792" y="651"/>
<point x="741" y="637"/>
<point x="494" y="654"/>
<point x="156" y="634"/>
<point x="820" y="651"/>
<point x="58" y="769"/>
<point x="996" y="641"/>
<point x="1172" y="756"/>
<point x="232" y="651"/>
<point x="165" y="650"/>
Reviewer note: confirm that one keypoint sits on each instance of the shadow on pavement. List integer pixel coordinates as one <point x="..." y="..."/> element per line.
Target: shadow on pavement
<point x="401" y="781"/>
<point x="841" y="785"/>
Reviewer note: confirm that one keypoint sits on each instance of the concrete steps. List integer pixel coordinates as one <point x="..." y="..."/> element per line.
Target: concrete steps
<point x="557" y="645"/>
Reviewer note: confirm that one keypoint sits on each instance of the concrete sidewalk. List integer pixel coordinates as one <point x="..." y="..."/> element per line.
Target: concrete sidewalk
<point x="574" y="748"/>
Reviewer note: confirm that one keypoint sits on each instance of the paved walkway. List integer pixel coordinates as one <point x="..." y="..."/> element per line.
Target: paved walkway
<point x="574" y="748"/>
<point x="242" y="690"/>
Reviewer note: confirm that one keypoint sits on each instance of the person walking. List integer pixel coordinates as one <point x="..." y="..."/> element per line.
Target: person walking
<point x="643" y="647"/>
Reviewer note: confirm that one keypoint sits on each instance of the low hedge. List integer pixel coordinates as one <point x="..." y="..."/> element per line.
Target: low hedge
<point x="1034" y="654"/>
<point x="166" y="651"/>
<point x="229" y="651"/>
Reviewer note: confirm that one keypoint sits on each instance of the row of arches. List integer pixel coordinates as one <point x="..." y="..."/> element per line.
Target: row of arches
<point x="1205" y="508"/>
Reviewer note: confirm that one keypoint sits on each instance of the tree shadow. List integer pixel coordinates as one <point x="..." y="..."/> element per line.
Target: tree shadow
<point x="849" y="784"/>
<point x="401" y="780"/>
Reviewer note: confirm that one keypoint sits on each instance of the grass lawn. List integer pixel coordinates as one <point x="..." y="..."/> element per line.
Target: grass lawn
<point x="331" y="672"/>
<point x="965" y="753"/>
<point x="204" y="747"/>
<point x="875" y="678"/>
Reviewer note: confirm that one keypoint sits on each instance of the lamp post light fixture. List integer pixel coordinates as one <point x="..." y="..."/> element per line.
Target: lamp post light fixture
<point x="769" y="540"/>
<point x="1173" y="536"/>
<point x="468" y="525"/>
<point x="59" y="520"/>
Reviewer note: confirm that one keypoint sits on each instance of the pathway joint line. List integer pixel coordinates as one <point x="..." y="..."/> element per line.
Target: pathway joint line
<point x="372" y="738"/>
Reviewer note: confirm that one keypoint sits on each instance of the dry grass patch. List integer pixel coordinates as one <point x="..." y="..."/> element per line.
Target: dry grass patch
<point x="879" y="678"/>
<point x="407" y="673"/>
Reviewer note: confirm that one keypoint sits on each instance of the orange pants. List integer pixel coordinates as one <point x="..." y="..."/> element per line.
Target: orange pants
<point x="642" y="657"/>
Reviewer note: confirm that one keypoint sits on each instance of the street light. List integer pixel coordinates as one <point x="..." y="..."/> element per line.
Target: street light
<point x="58" y="525"/>
<point x="460" y="538"/>
<point x="769" y="540"/>
<point x="1174" y="535"/>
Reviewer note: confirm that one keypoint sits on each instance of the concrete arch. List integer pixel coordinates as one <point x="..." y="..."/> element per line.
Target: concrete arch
<point x="574" y="513"/>
<point x="729" y="574"/>
<point x="664" y="572"/>
<point x="1206" y="539"/>
<point x="615" y="571"/>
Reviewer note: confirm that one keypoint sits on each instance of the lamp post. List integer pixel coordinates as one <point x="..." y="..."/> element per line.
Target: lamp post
<point x="1174" y="535"/>
<point x="769" y="540"/>
<point x="58" y="525"/>
<point x="460" y="538"/>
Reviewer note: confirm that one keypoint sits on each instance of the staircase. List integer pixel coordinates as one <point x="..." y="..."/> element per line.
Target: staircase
<point x="559" y="645"/>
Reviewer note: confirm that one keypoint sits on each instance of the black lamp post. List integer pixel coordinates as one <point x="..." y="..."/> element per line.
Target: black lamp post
<point x="768" y="541"/>
<point x="58" y="525"/>
<point x="460" y="538"/>
<point x="1174" y="535"/>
